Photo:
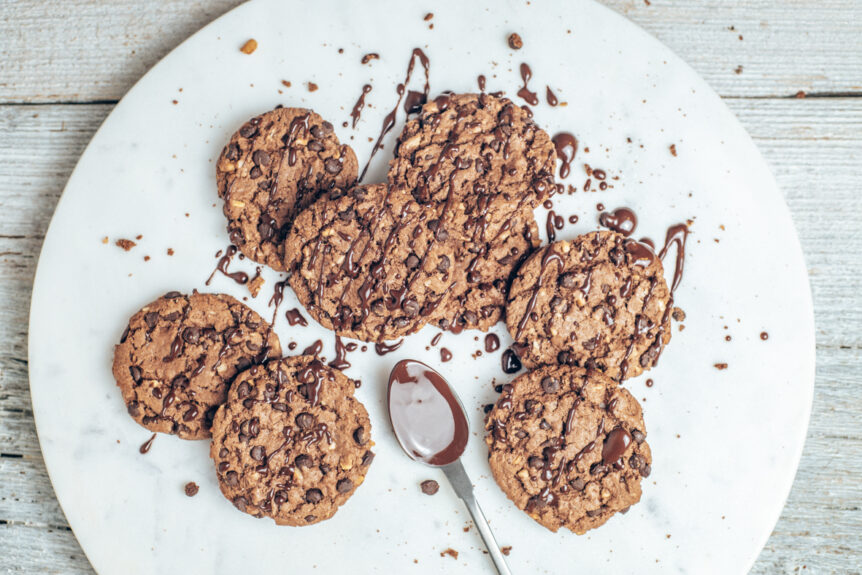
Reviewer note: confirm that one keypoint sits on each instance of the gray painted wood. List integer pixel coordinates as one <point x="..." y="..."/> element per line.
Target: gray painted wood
<point x="62" y="66"/>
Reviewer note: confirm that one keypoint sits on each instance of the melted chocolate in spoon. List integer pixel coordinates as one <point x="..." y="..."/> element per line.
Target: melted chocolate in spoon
<point x="428" y="419"/>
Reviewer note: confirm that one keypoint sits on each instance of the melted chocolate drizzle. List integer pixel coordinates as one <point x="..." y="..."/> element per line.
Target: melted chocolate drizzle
<point x="492" y="343"/>
<point x="445" y="355"/>
<point x="356" y="113"/>
<point x="621" y="220"/>
<point x="145" y="447"/>
<point x="389" y="120"/>
<point x="525" y="93"/>
<point x="223" y="263"/>
<point x="340" y="361"/>
<point x="382" y="348"/>
<point x="551" y="97"/>
<point x="294" y="317"/>
<point x="566" y="146"/>
<point x="676" y="234"/>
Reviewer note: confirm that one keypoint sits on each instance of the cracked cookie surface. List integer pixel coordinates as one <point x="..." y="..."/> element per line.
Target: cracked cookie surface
<point x="567" y="446"/>
<point x="274" y="166"/>
<point x="179" y="354"/>
<point x="599" y="301"/>
<point x="292" y="442"/>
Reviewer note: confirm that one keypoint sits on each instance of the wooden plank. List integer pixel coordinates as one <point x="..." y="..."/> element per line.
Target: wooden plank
<point x="38" y="549"/>
<point x="810" y="45"/>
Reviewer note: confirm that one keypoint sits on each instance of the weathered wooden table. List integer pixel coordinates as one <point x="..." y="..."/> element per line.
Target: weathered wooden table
<point x="791" y="70"/>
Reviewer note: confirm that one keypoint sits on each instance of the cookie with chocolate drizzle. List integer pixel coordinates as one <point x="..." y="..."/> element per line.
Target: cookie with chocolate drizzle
<point x="486" y="164"/>
<point x="598" y="301"/>
<point x="178" y="355"/>
<point x="275" y="166"/>
<point x="567" y="446"/>
<point x="372" y="263"/>
<point x="292" y="442"/>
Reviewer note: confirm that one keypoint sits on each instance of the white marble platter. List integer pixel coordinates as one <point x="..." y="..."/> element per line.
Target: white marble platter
<point x="725" y="442"/>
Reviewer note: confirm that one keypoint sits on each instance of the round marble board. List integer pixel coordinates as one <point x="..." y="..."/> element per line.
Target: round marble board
<point x="725" y="442"/>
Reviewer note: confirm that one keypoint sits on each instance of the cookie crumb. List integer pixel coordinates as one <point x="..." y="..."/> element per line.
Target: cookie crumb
<point x="673" y="150"/>
<point x="139" y="237"/>
<point x="125" y="244"/>
<point x="286" y="83"/>
<point x="506" y="550"/>
<point x="249" y="47"/>
<point x="254" y="285"/>
<point x="429" y="487"/>
<point x="738" y="69"/>
<point x="312" y="87"/>
<point x="428" y="16"/>
<point x="105" y="240"/>
<point x="170" y="251"/>
<point x="678" y="314"/>
<point x="146" y="258"/>
<point x="800" y="94"/>
<point x="191" y="488"/>
<point x="515" y="42"/>
<point x="720" y="366"/>
<point x="450" y="552"/>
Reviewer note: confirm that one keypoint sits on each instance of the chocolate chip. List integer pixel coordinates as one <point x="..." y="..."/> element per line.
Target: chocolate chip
<point x="310" y="518"/>
<point x="556" y="302"/>
<point x="443" y="264"/>
<point x="367" y="458"/>
<point x="151" y="319"/>
<point x="332" y="166"/>
<point x="314" y="496"/>
<point x="412" y="261"/>
<point x="360" y="436"/>
<point x="280" y="497"/>
<point x="470" y="317"/>
<point x="255" y="173"/>
<point x="134" y="408"/>
<point x="429" y="487"/>
<point x="315" y="146"/>
<point x="344" y="485"/>
<point x="577" y="484"/>
<point x="258" y="453"/>
<point x="248" y="130"/>
<point x="317" y="132"/>
<point x="240" y="502"/>
<point x="305" y="420"/>
<point x="645" y="470"/>
<point x="550" y="384"/>
<point x="191" y="488"/>
<point x="136" y="374"/>
<point x="544" y="425"/>
<point x="243" y="390"/>
<point x="411" y="307"/>
<point x="593" y="512"/>
<point x="261" y="158"/>
<point x="232" y="151"/>
<point x="172" y="295"/>
<point x="191" y="334"/>
<point x="565" y="358"/>
<point x="536" y="462"/>
<point x="278" y="406"/>
<point x="304" y="461"/>
<point x="346" y="215"/>
<point x="567" y="280"/>
<point x="616" y="256"/>
<point x="638" y="436"/>
<point x="597" y="468"/>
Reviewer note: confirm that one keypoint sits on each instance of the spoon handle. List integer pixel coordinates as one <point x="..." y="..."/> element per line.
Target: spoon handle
<point x="463" y="487"/>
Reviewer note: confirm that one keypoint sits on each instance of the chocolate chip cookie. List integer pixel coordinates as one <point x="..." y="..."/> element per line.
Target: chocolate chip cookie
<point x="600" y="301"/>
<point x="487" y="165"/>
<point x="291" y="443"/>
<point x="567" y="446"/>
<point x="481" y="151"/>
<point x="179" y="354"/>
<point x="276" y="165"/>
<point x="372" y="263"/>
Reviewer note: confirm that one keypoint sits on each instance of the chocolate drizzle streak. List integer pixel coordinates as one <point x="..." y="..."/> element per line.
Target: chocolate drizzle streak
<point x="524" y="93"/>
<point x="382" y="348"/>
<point x="389" y="120"/>
<point x="356" y="113"/>
<point x="566" y="146"/>
<point x="621" y="220"/>
<point x="223" y="263"/>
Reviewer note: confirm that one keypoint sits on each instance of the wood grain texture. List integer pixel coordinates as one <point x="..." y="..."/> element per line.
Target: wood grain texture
<point x="84" y="51"/>
<point x="809" y="45"/>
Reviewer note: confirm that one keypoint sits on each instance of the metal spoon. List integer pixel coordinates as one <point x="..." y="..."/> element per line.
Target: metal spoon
<point x="431" y="426"/>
